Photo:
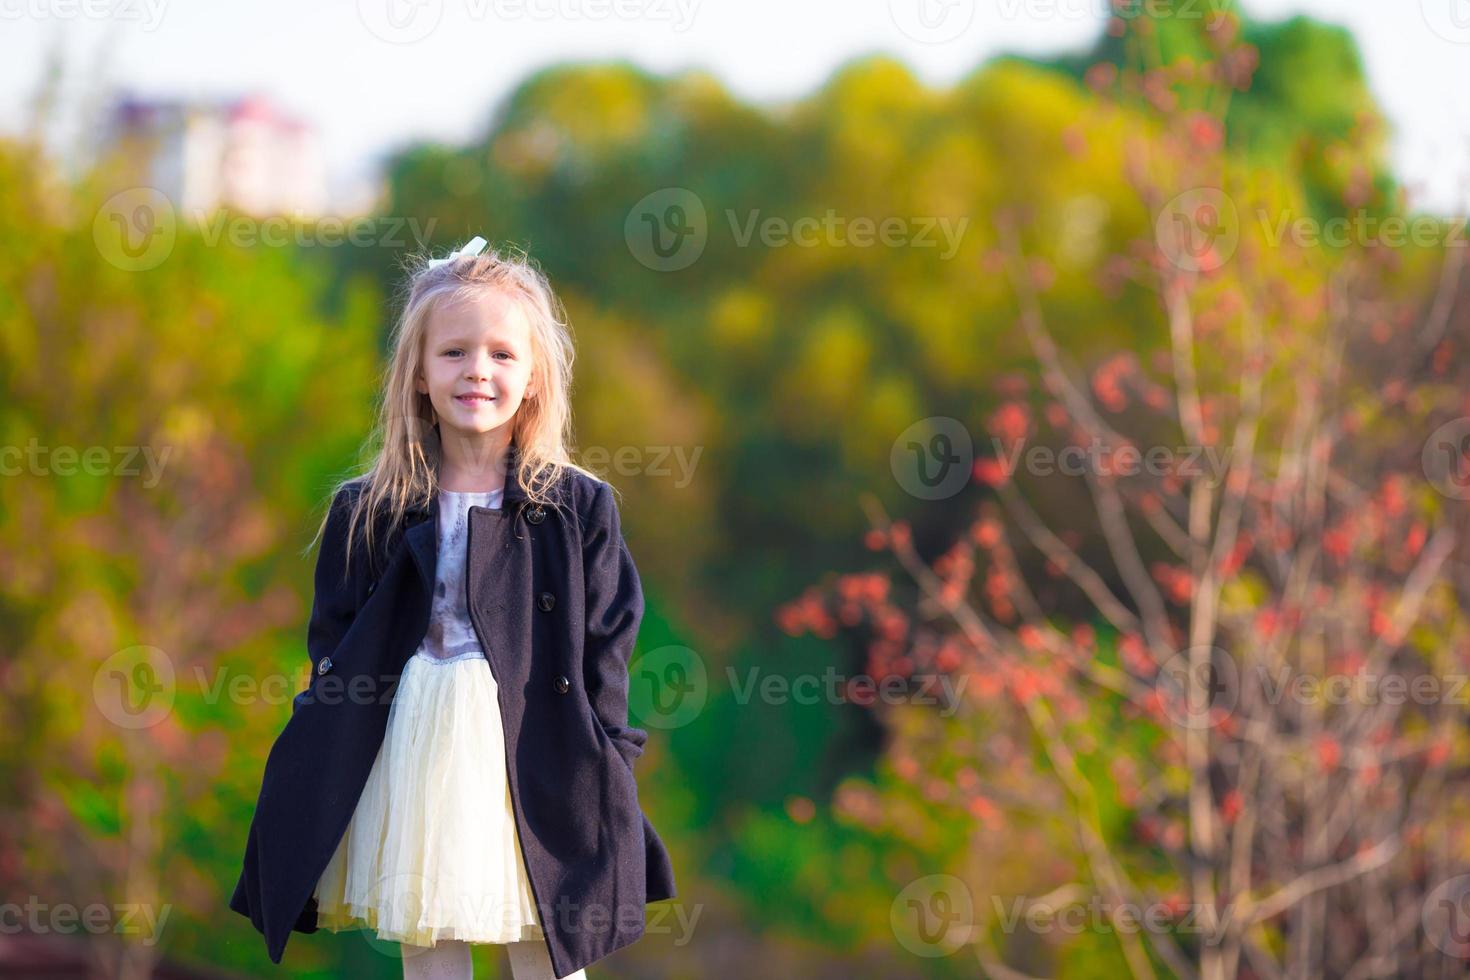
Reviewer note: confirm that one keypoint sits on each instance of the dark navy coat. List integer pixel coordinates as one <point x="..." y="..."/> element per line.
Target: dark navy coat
<point x="556" y="602"/>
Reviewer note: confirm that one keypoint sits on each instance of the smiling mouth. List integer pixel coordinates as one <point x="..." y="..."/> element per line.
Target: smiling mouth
<point x="473" y="399"/>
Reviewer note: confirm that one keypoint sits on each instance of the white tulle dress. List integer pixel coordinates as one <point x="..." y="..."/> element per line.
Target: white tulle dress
<point x="431" y="851"/>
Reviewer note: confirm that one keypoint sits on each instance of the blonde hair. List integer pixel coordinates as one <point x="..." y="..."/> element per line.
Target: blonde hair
<point x="404" y="443"/>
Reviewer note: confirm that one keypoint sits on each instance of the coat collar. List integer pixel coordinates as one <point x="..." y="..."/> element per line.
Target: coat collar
<point x="422" y="519"/>
<point x="515" y="491"/>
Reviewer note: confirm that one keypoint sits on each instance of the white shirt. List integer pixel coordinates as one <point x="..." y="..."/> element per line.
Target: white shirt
<point x="451" y="635"/>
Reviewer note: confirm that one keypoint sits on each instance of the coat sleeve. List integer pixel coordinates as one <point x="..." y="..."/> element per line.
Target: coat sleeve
<point x="333" y="604"/>
<point x="614" y="603"/>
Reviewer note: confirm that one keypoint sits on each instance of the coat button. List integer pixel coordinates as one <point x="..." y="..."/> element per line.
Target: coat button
<point x="324" y="666"/>
<point x="371" y="586"/>
<point x="546" y="601"/>
<point x="562" y="684"/>
<point x="536" y="514"/>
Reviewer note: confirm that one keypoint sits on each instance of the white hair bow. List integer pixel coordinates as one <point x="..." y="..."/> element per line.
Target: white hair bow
<point x="474" y="246"/>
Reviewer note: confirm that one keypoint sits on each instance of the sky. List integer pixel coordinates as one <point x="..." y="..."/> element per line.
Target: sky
<point x="373" y="74"/>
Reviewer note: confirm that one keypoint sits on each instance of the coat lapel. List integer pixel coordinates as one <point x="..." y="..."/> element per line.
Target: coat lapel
<point x="422" y="520"/>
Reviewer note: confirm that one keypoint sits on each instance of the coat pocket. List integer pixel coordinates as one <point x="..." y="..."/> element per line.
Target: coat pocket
<point x="628" y="742"/>
<point x="622" y="815"/>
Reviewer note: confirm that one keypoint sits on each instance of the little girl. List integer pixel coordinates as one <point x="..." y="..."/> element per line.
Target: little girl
<point x="434" y="857"/>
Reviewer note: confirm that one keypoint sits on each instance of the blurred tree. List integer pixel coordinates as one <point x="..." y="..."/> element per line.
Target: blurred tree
<point x="1179" y="676"/>
<point x="168" y="433"/>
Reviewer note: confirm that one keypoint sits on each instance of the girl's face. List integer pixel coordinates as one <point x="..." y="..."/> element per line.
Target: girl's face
<point x="476" y="363"/>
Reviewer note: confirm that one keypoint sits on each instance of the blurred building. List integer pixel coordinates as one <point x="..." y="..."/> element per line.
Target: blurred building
<point x="247" y="155"/>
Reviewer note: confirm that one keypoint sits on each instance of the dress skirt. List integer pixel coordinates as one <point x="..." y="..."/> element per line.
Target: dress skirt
<point x="431" y="851"/>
